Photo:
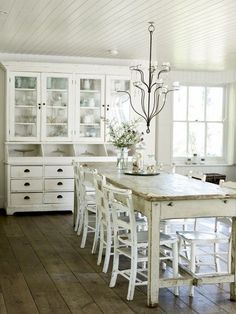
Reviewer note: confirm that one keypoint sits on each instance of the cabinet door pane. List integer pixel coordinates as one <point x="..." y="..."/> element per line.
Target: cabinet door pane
<point x="119" y="106"/>
<point x="25" y="106"/>
<point x="90" y="108"/>
<point x="57" y="95"/>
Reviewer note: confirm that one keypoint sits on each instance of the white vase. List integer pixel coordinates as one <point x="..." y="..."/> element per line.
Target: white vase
<point x="122" y="158"/>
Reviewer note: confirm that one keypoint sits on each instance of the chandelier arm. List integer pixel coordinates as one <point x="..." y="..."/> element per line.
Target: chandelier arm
<point x="161" y="71"/>
<point x="123" y="91"/>
<point x="141" y="76"/>
<point x="142" y="101"/>
<point x="158" y="111"/>
<point x="155" y="103"/>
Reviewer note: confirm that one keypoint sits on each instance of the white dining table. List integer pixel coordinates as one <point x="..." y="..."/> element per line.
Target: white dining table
<point x="171" y="196"/>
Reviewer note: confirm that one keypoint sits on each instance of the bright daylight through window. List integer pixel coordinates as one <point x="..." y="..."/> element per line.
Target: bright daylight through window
<point x="198" y="122"/>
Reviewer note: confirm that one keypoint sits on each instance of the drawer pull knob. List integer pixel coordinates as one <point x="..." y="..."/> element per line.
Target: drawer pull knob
<point x="27" y="170"/>
<point x="27" y="184"/>
<point x="27" y="198"/>
<point x="170" y="204"/>
<point x="59" y="183"/>
<point x="59" y="196"/>
<point x="59" y="170"/>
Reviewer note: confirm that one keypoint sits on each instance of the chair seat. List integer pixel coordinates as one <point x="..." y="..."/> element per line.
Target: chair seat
<point x="142" y="237"/>
<point x="198" y="236"/>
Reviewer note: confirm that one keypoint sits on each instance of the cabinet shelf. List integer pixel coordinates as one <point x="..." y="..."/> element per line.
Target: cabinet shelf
<point x="88" y="108"/>
<point x="57" y="90"/>
<point x="57" y="123"/>
<point x="26" y="89"/>
<point x="25" y="123"/>
<point x="90" y="91"/>
<point x="57" y="107"/>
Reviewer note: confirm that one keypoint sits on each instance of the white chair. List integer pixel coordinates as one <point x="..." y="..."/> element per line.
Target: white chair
<point x="170" y="226"/>
<point x="134" y="244"/>
<point x="194" y="242"/>
<point x="88" y="209"/>
<point x="105" y="223"/>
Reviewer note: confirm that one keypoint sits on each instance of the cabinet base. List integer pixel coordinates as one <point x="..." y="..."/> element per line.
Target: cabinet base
<point x="40" y="208"/>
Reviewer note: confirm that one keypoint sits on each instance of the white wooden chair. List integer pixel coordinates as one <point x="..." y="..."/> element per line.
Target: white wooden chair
<point x="195" y="241"/>
<point x="105" y="223"/>
<point x="88" y="210"/>
<point x="133" y="244"/>
<point x="170" y="226"/>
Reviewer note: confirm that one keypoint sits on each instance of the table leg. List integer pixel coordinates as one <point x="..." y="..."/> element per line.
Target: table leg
<point x="153" y="255"/>
<point x="233" y="261"/>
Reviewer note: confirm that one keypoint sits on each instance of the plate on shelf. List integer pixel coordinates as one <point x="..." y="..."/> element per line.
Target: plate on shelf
<point x="131" y="173"/>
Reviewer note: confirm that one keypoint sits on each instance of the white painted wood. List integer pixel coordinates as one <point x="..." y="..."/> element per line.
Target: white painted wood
<point x="59" y="185"/>
<point x="26" y="199"/>
<point x="26" y="171"/>
<point x="59" y="171"/>
<point x="59" y="198"/>
<point x="174" y="196"/>
<point x="26" y="185"/>
<point x="89" y="29"/>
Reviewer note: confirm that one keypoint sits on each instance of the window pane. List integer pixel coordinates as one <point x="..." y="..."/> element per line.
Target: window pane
<point x="196" y="141"/>
<point x="179" y="139"/>
<point x="180" y="104"/>
<point x="214" y="109"/>
<point x="196" y="103"/>
<point x="215" y="139"/>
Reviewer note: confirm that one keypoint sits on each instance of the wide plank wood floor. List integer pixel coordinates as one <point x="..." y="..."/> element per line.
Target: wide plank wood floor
<point x="44" y="270"/>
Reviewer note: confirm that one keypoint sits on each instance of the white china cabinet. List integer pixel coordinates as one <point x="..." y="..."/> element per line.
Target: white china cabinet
<point x="56" y="114"/>
<point x="40" y="107"/>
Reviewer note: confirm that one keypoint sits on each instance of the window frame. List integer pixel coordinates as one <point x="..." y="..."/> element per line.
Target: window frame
<point x="208" y="160"/>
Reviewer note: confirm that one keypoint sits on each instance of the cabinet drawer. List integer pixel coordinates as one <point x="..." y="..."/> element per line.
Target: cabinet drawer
<point x="59" y="198"/>
<point x="26" y="185"/>
<point x="59" y="184"/>
<point x="26" y="199"/>
<point x="26" y="171"/>
<point x="59" y="171"/>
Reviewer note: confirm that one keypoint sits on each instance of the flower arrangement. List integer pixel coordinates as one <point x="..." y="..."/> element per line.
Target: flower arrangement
<point x="125" y="134"/>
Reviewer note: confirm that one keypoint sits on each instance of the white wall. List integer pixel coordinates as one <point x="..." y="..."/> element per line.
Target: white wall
<point x="164" y="120"/>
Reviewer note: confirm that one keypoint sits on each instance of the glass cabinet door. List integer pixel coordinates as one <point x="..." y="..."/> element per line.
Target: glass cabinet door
<point x="56" y="106"/>
<point x="91" y="108"/>
<point x="25" y="107"/>
<point x="117" y="103"/>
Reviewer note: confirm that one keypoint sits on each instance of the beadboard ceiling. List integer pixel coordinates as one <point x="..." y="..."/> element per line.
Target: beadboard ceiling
<point x="191" y="34"/>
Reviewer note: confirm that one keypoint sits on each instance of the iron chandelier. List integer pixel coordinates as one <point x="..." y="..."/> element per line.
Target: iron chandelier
<point x="153" y="93"/>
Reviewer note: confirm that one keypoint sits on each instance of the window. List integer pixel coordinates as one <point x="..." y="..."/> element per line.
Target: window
<point x="198" y="122"/>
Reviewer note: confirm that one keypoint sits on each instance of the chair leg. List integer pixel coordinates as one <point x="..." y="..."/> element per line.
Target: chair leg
<point x="101" y="244"/>
<point x="175" y="264"/>
<point x="115" y="269"/>
<point x="216" y="259"/>
<point x="96" y="234"/>
<point x="85" y="229"/>
<point x="108" y="251"/>
<point x="133" y="274"/>
<point x="192" y="266"/>
<point x="81" y="220"/>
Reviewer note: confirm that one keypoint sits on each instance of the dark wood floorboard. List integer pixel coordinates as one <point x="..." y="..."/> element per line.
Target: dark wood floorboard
<point x="44" y="270"/>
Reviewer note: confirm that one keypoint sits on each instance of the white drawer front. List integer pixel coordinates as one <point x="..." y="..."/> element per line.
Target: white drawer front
<point x="26" y="171"/>
<point x="59" y="198"/>
<point x="59" y="185"/>
<point x="26" y="199"/>
<point x="59" y="171"/>
<point x="26" y="185"/>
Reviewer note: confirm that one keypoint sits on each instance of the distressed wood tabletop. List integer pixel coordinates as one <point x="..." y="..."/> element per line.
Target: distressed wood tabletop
<point x="165" y="186"/>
